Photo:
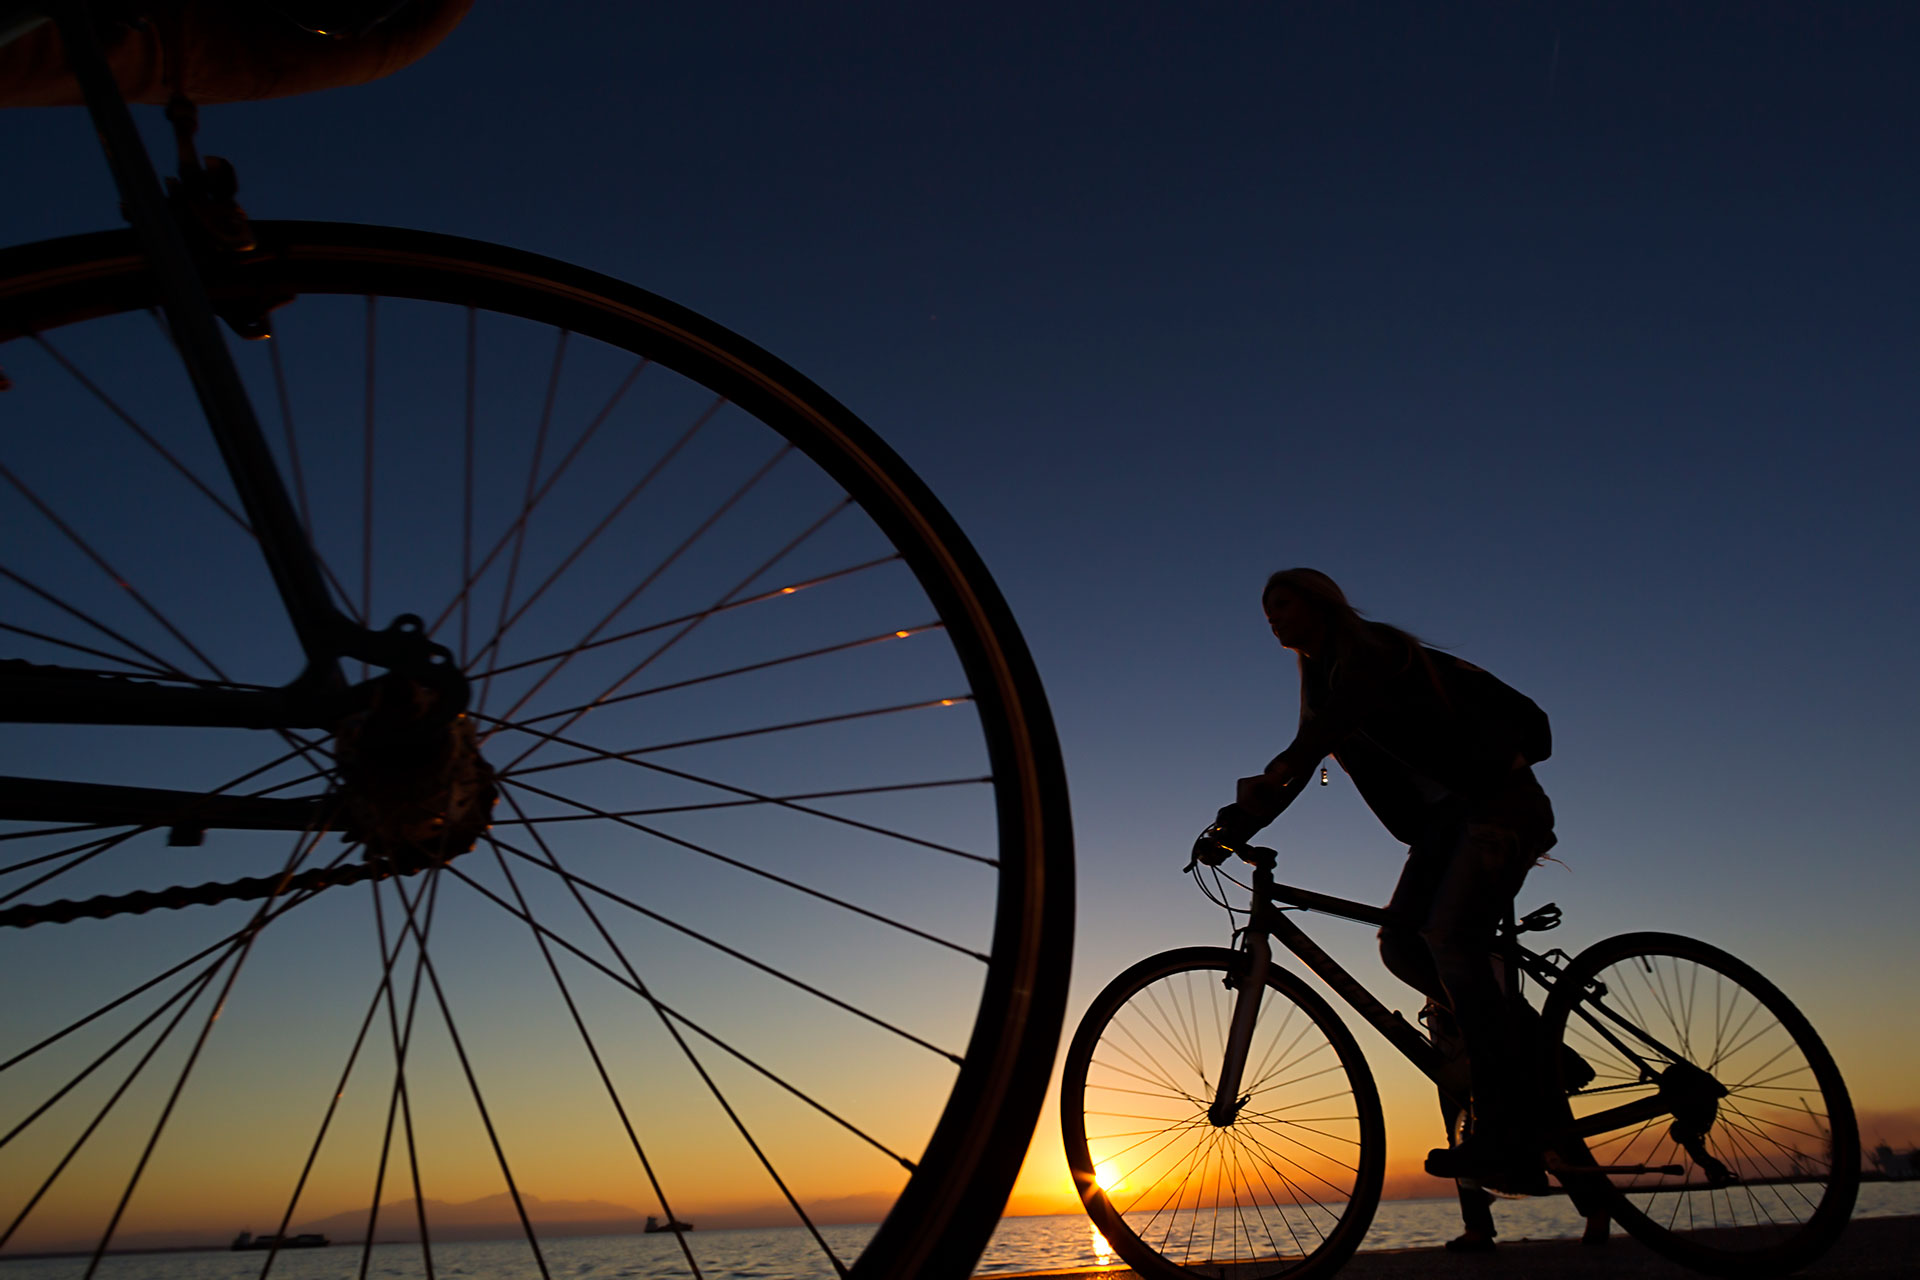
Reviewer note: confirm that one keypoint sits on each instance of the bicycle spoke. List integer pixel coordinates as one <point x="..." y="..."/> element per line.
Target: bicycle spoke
<point x="470" y="576"/>
<point x="382" y="989"/>
<point x="787" y="726"/>
<point x="107" y="1054"/>
<point x="710" y="805"/>
<point x="587" y="540"/>
<point x="664" y="564"/>
<point x="593" y="1051"/>
<point x="89" y="650"/>
<point x="552" y="863"/>
<point x="154" y="662"/>
<point x="473" y="1085"/>
<point x="772" y="593"/>
<point x="146" y="437"/>
<point x="769" y="876"/>
<point x="1168" y="1089"/>
<point x="399" y="1101"/>
<point x="519" y="532"/>
<point x="466" y="493"/>
<point x="93" y="849"/>
<point x="302" y="846"/>
<point x="1189" y="1057"/>
<point x="366" y="484"/>
<point x="106" y="1108"/>
<point x="574" y="713"/>
<point x="100" y="562"/>
<point x="756" y="796"/>
<point x="724" y="949"/>
<point x="83" y="853"/>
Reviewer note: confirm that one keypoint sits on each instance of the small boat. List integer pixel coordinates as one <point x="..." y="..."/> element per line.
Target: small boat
<point x="247" y="1240"/>
<point x="654" y="1225"/>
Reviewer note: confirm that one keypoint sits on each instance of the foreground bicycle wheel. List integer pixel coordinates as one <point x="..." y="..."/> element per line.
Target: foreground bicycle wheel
<point x="772" y="922"/>
<point x="1756" y="1114"/>
<point x="1288" y="1189"/>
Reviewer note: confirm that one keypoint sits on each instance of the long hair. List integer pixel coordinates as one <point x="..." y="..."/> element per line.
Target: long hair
<point x="1348" y="630"/>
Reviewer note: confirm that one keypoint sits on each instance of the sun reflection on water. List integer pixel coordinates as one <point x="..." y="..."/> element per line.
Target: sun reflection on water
<point x="1102" y="1251"/>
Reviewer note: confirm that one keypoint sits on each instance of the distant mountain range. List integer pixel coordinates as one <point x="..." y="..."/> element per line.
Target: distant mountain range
<point x="489" y="1218"/>
<point x="493" y="1218"/>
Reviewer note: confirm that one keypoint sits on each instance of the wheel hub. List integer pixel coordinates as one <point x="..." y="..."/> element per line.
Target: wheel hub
<point x="1222" y="1116"/>
<point x="415" y="790"/>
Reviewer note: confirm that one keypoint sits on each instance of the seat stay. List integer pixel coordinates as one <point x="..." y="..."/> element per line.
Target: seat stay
<point x="1584" y="1007"/>
<point x="324" y="633"/>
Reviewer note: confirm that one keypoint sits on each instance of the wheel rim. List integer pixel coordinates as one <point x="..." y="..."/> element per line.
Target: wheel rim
<point x="1784" y="1126"/>
<point x="690" y="833"/>
<point x="1294" y="1178"/>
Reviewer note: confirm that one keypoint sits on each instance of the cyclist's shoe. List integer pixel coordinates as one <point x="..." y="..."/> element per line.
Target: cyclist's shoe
<point x="1470" y="1242"/>
<point x="1504" y="1169"/>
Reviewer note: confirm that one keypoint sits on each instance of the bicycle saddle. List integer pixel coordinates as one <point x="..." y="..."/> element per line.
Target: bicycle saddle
<point x="232" y="50"/>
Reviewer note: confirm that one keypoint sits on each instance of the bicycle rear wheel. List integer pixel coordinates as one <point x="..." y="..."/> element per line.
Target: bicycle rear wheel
<point x="1743" y="1085"/>
<point x="772" y="923"/>
<point x="1288" y="1189"/>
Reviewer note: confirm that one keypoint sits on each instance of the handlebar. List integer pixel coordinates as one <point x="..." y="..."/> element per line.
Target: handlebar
<point x="1214" y="852"/>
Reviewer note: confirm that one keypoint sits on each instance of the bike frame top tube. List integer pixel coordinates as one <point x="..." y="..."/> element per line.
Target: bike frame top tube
<point x="1271" y="893"/>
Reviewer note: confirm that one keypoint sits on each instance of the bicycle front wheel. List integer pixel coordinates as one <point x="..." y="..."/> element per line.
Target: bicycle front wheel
<point x="771" y="925"/>
<point x="1287" y="1189"/>
<point x="1742" y="1099"/>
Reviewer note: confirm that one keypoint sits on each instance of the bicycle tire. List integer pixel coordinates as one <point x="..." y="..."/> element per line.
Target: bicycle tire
<point x="1331" y="1192"/>
<point x="940" y="1219"/>
<point x="1784" y="1096"/>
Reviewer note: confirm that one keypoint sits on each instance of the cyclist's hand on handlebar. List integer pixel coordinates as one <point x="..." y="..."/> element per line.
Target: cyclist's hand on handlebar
<point x="1231" y="828"/>
<point x="1209" y="849"/>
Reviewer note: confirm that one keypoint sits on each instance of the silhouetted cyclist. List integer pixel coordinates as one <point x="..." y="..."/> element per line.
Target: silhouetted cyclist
<point x="1441" y="751"/>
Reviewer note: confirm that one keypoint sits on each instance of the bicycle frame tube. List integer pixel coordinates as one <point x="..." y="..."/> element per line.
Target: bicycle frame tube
<point x="325" y="635"/>
<point x="317" y="695"/>
<point x="1269" y="923"/>
<point x="1270" y="920"/>
<point x="1246" y="1008"/>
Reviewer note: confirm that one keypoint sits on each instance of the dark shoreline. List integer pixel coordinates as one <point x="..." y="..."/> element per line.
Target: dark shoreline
<point x="1899" y="1234"/>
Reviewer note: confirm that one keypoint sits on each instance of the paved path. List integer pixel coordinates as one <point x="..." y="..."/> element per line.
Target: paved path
<point x="1871" y="1249"/>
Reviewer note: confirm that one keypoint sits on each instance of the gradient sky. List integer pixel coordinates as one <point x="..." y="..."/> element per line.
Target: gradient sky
<point x="1578" y="339"/>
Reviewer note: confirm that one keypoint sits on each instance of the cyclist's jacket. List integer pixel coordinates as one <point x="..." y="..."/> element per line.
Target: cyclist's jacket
<point x="1412" y="727"/>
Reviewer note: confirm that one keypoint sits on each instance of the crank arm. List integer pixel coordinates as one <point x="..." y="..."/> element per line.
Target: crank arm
<point x="1556" y="1166"/>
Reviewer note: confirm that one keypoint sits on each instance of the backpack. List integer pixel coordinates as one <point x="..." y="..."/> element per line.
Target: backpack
<point x="1496" y="704"/>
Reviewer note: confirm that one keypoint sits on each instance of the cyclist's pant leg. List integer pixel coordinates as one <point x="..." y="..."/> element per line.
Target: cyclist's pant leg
<point x="1402" y="949"/>
<point x="1472" y="896"/>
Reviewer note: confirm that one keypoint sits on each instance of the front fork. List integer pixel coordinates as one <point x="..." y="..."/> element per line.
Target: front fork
<point x="1252" y="981"/>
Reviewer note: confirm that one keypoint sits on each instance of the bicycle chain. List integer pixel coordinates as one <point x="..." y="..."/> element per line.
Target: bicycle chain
<point x="142" y="901"/>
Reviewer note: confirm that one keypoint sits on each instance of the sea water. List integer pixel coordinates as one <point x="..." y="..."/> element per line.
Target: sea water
<point x="1019" y="1244"/>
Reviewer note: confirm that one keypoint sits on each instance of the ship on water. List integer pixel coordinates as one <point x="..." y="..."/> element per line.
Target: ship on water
<point x="654" y="1225"/>
<point x="247" y="1240"/>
